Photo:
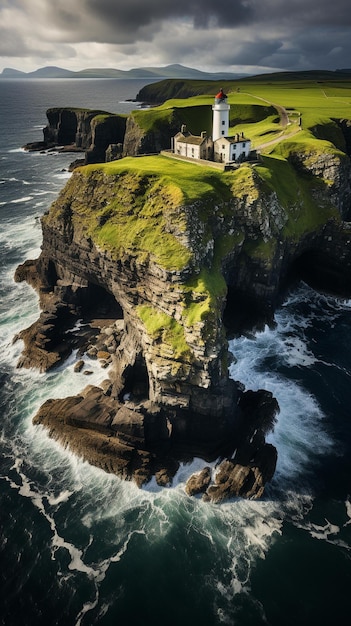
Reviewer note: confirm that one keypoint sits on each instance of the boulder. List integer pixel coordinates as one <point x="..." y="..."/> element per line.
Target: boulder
<point x="235" y="480"/>
<point x="199" y="482"/>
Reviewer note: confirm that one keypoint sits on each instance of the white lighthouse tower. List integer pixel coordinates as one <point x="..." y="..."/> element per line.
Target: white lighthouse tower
<point x="220" y="110"/>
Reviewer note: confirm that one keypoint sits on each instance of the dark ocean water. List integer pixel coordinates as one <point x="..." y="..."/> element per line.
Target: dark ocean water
<point x="78" y="546"/>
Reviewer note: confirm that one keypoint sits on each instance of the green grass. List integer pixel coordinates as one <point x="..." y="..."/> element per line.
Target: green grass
<point x="265" y="130"/>
<point x="196" y="113"/>
<point x="202" y="295"/>
<point x="102" y="118"/>
<point x="305" y="142"/>
<point x="135" y="221"/>
<point x="165" y="330"/>
<point x="152" y="119"/>
<point x="150" y="194"/>
<point x="144" y="212"/>
<point x="192" y="181"/>
<point x="146" y="207"/>
<point x="315" y="101"/>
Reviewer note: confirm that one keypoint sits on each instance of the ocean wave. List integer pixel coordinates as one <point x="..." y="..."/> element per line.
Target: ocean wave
<point x="275" y="359"/>
<point x="14" y="150"/>
<point x="23" y="199"/>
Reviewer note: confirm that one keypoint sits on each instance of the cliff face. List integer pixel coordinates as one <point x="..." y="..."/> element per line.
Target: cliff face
<point x="138" y="140"/>
<point x="188" y="254"/>
<point x="86" y="130"/>
<point x="105" y="136"/>
<point x="183" y="360"/>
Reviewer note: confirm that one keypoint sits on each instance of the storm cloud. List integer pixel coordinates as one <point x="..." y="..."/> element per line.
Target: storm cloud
<point x="233" y="35"/>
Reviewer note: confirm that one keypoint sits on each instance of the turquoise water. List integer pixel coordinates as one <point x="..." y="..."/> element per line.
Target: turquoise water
<point x="78" y="546"/>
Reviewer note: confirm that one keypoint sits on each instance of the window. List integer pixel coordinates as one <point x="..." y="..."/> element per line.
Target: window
<point x="223" y="122"/>
<point x="223" y="147"/>
<point x="222" y="132"/>
<point x="244" y="144"/>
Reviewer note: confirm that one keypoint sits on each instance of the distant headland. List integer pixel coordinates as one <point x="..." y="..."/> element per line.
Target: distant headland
<point x="169" y="71"/>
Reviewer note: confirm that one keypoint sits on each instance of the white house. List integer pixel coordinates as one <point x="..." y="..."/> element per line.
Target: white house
<point x="193" y="146"/>
<point x="228" y="149"/>
<point x="220" y="147"/>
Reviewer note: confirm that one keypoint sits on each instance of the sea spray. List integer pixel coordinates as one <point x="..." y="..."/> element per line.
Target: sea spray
<point x="274" y="359"/>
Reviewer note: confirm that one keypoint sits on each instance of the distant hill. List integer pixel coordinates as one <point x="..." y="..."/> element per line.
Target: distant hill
<point x="168" y="88"/>
<point x="301" y="75"/>
<point x="169" y="71"/>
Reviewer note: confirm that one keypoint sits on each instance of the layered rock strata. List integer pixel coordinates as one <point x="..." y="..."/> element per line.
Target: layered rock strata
<point x="98" y="134"/>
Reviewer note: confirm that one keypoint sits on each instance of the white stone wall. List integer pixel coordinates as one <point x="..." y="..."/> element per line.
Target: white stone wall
<point x="225" y="151"/>
<point x="239" y="149"/>
<point x="186" y="149"/>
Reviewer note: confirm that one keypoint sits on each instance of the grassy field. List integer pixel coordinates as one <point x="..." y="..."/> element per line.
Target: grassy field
<point x="191" y="181"/>
<point x="281" y="116"/>
<point x="316" y="102"/>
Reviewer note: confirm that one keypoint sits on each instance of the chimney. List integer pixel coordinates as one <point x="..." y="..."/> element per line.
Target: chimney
<point x="203" y="134"/>
<point x="183" y="128"/>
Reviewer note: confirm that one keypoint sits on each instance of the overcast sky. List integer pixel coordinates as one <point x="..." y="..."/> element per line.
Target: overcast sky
<point x="250" y="36"/>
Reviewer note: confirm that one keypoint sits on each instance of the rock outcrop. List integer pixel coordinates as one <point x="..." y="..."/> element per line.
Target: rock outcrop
<point x="105" y="137"/>
<point x="96" y="133"/>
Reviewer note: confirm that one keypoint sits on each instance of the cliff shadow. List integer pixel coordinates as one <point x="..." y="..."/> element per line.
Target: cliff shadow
<point x="244" y="312"/>
<point x="99" y="306"/>
<point x="321" y="271"/>
<point x="136" y="383"/>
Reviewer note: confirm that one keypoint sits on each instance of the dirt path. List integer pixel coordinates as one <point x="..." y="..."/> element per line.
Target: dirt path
<point x="284" y="122"/>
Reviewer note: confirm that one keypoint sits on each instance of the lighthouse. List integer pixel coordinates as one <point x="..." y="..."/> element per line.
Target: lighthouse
<point x="221" y="147"/>
<point x="220" y="116"/>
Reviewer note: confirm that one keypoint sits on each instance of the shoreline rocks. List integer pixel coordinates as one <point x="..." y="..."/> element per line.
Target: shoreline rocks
<point x="134" y="442"/>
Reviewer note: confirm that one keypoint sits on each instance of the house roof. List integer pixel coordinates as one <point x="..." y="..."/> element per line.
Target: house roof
<point x="221" y="95"/>
<point x="189" y="138"/>
<point x="232" y="140"/>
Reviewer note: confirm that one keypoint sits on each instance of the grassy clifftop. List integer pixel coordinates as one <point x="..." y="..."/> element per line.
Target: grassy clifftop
<point x="145" y="210"/>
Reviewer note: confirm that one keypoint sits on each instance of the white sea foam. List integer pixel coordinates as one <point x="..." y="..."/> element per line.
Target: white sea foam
<point x="329" y="532"/>
<point x="299" y="433"/>
<point x="65" y="175"/>
<point x="23" y="199"/>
